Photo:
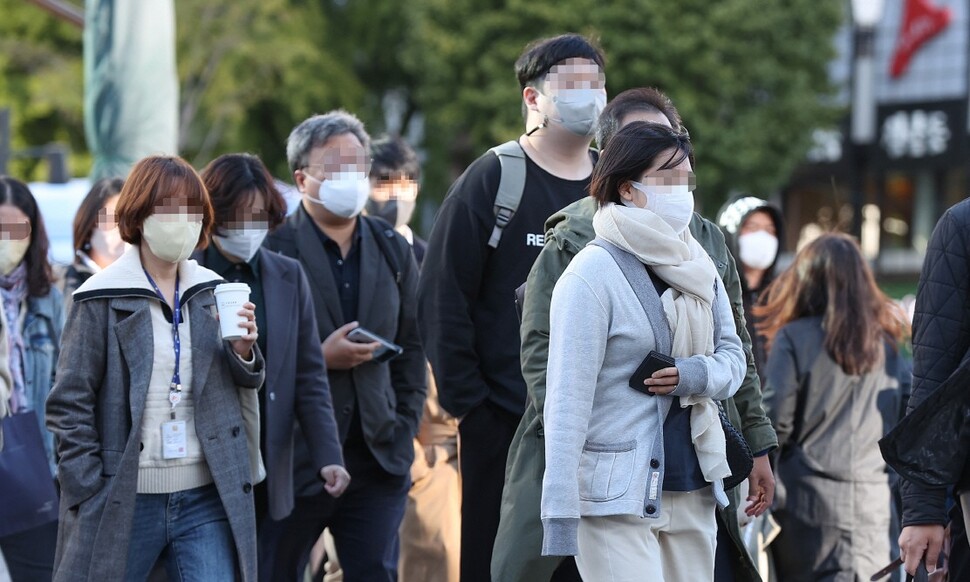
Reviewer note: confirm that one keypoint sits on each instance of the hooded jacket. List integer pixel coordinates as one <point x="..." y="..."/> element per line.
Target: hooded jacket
<point x="731" y="218"/>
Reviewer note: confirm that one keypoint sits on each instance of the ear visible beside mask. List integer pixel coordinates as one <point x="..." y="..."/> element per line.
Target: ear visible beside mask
<point x="758" y="249"/>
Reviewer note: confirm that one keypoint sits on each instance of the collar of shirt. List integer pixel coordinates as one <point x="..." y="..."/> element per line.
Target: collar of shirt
<point x="216" y="261"/>
<point x="325" y="240"/>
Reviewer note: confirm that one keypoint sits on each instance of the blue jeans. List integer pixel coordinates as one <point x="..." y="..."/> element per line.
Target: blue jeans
<point x="190" y="528"/>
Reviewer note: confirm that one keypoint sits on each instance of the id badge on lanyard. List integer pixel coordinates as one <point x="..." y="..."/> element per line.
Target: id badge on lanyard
<point x="174" y="440"/>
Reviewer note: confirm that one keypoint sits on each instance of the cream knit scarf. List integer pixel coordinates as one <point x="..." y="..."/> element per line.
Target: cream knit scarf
<point x="684" y="265"/>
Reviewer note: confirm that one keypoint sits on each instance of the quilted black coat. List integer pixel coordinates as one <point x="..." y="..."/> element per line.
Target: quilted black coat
<point x="941" y="341"/>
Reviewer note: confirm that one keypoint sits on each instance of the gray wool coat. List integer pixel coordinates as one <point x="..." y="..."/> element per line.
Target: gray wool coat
<point x="95" y="411"/>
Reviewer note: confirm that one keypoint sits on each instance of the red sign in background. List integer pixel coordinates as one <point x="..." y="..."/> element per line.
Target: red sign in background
<point x="921" y="22"/>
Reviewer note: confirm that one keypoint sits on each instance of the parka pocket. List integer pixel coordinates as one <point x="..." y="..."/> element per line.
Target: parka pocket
<point x="606" y="470"/>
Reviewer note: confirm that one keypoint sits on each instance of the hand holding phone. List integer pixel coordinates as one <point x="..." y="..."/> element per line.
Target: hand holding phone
<point x="385" y="350"/>
<point x="653" y="363"/>
<point x="341" y="353"/>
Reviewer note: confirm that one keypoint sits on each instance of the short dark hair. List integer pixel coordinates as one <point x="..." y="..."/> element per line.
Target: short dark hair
<point x="543" y="54"/>
<point x="86" y="218"/>
<point x="393" y="155"/>
<point x="153" y="180"/>
<point x="638" y="100"/>
<point x="633" y="149"/>
<point x="39" y="274"/>
<point x="233" y="180"/>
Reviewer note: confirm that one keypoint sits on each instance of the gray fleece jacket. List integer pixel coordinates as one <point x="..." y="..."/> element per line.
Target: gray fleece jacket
<point x="604" y="440"/>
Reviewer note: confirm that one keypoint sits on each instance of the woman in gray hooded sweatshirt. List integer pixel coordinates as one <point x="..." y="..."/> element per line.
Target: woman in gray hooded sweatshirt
<point x="633" y="475"/>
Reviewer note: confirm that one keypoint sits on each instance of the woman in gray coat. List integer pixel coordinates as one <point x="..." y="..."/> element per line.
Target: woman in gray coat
<point x="832" y="391"/>
<point x="152" y="446"/>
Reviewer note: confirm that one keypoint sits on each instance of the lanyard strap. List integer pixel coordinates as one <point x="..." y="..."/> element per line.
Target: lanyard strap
<point x="175" y="387"/>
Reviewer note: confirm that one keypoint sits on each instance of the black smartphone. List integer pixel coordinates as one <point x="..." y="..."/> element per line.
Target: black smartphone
<point x="386" y="351"/>
<point x="653" y="362"/>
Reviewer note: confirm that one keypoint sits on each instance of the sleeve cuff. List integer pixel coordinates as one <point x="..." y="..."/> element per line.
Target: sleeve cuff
<point x="693" y="376"/>
<point x="250" y="363"/>
<point x="560" y="536"/>
<point x="923" y="506"/>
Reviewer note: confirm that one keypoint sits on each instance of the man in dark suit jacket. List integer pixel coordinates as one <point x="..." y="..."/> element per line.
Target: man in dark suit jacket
<point x="362" y="274"/>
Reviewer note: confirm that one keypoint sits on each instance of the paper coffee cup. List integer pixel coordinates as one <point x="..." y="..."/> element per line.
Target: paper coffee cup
<point x="229" y="300"/>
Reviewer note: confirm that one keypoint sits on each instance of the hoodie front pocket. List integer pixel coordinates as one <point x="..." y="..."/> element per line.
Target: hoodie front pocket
<point x="606" y="470"/>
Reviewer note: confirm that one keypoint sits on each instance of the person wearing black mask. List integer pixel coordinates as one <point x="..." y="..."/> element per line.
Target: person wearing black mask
<point x="394" y="183"/>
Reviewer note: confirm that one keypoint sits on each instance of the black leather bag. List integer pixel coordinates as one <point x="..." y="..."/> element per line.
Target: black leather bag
<point x="739" y="456"/>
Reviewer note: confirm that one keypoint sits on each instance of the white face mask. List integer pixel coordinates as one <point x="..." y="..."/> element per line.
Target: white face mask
<point x="344" y="195"/>
<point x="579" y="109"/>
<point x="107" y="243"/>
<point x="758" y="249"/>
<point x="242" y="244"/>
<point x="676" y="207"/>
<point x="12" y="253"/>
<point x="171" y="240"/>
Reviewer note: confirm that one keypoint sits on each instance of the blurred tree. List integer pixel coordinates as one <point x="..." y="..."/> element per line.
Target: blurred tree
<point x="41" y="82"/>
<point x="250" y="71"/>
<point x="749" y="77"/>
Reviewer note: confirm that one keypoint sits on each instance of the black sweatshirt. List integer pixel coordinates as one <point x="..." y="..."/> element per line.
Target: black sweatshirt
<point x="466" y="300"/>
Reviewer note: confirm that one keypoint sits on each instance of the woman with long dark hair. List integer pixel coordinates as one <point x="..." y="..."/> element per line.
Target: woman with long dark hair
<point x="635" y="465"/>
<point x="34" y="318"/>
<point x="832" y="391"/>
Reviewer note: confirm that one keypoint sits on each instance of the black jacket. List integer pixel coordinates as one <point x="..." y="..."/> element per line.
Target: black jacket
<point x="296" y="386"/>
<point x="941" y="340"/>
<point x="390" y="395"/>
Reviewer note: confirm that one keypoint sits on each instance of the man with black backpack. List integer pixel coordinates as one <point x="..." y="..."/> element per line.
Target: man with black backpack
<point x="363" y="278"/>
<point x="487" y="235"/>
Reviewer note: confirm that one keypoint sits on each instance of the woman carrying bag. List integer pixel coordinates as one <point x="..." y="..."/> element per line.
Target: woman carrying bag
<point x="33" y="320"/>
<point x="152" y="446"/>
<point x="642" y="341"/>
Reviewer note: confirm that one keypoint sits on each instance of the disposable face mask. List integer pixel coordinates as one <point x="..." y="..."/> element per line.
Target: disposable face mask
<point x="107" y="243"/>
<point x="12" y="253"/>
<point x="396" y="212"/>
<point x="758" y="249"/>
<point x="675" y="207"/>
<point x="243" y="243"/>
<point x="579" y="109"/>
<point x="344" y="195"/>
<point x="171" y="240"/>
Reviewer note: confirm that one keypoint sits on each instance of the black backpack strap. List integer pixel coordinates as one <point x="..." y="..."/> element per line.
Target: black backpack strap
<point x="394" y="255"/>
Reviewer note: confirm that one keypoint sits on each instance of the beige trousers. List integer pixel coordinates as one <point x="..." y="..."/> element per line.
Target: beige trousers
<point x="676" y="547"/>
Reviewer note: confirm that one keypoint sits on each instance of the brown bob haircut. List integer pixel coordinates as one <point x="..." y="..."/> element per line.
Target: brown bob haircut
<point x="153" y="181"/>
<point x="635" y="148"/>
<point x="86" y="219"/>
<point x="233" y="181"/>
